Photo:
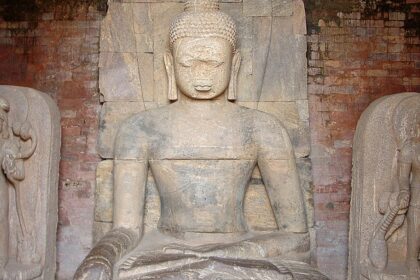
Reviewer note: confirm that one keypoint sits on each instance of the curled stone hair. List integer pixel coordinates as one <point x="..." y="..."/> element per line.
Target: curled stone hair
<point x="203" y="18"/>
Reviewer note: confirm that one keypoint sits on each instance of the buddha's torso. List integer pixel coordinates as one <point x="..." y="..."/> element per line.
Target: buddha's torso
<point x="201" y="159"/>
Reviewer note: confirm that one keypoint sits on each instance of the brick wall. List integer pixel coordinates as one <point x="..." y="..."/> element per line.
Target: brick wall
<point x="354" y="57"/>
<point x="60" y="56"/>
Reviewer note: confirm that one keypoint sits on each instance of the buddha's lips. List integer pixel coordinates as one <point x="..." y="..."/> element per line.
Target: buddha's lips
<point x="202" y="88"/>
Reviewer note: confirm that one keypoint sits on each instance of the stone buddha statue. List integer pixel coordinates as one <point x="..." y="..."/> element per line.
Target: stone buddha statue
<point x="201" y="151"/>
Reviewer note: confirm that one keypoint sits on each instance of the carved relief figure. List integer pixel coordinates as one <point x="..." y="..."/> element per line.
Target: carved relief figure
<point x="394" y="244"/>
<point x="12" y="155"/>
<point x="409" y="163"/>
<point x="406" y="201"/>
<point x="29" y="156"/>
<point x="201" y="151"/>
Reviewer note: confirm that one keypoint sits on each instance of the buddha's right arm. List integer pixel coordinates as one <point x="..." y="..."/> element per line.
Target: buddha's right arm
<point x="129" y="196"/>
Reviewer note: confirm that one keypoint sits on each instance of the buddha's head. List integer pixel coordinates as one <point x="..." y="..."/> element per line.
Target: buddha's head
<point x="203" y="62"/>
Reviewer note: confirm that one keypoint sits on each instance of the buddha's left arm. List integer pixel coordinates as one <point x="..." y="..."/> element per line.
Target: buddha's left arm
<point x="277" y="164"/>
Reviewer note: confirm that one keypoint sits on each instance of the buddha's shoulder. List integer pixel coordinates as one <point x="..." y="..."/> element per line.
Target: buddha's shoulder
<point x="156" y="115"/>
<point x="143" y="123"/>
<point x="261" y="120"/>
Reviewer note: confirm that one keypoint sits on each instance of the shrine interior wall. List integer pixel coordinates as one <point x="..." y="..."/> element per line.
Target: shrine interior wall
<point x="355" y="55"/>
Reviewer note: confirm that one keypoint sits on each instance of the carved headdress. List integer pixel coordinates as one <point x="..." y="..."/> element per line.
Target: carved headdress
<point x="203" y="18"/>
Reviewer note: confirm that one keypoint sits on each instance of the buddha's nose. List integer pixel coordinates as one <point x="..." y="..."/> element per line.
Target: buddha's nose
<point x="202" y="85"/>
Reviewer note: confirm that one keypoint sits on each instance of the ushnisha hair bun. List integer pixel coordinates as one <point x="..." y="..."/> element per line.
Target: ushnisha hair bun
<point x="203" y="18"/>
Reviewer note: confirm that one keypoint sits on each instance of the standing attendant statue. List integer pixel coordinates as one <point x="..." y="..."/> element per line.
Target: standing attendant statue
<point x="12" y="156"/>
<point x="406" y="201"/>
<point x="409" y="197"/>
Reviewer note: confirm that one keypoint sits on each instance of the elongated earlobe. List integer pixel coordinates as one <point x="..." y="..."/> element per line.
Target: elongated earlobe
<point x="236" y="64"/>
<point x="170" y="71"/>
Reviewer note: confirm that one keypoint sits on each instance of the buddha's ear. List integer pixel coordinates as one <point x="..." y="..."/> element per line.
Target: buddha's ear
<point x="170" y="71"/>
<point x="236" y="64"/>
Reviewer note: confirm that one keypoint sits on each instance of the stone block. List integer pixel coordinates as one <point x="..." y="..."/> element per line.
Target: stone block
<point x="285" y="76"/>
<point x="259" y="8"/>
<point x="142" y="18"/>
<point x="145" y="66"/>
<point x="119" y="76"/>
<point x="283" y="8"/>
<point x="113" y="39"/>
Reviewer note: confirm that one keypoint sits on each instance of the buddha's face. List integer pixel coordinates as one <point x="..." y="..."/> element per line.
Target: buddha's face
<point x="202" y="66"/>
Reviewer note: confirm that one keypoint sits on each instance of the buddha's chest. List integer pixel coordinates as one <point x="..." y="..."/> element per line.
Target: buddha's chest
<point x="198" y="138"/>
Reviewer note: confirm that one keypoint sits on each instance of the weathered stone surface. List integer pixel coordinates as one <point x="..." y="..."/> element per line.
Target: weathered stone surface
<point x="104" y="192"/>
<point x="257" y="8"/>
<point x="30" y="146"/>
<point x="99" y="230"/>
<point x="385" y="153"/>
<point x="112" y="114"/>
<point x="181" y="172"/>
<point x="283" y="8"/>
<point x="305" y="176"/>
<point x="165" y="12"/>
<point x="119" y="77"/>
<point x="119" y="17"/>
<point x="104" y="196"/>
<point x="282" y="82"/>
<point x="295" y="120"/>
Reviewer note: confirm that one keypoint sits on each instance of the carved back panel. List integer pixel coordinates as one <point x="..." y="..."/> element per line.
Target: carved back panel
<point x="272" y="78"/>
<point x="38" y="189"/>
<point x="381" y="132"/>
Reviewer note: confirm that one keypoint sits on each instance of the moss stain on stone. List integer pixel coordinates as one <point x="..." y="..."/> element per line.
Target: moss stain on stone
<point x="327" y="10"/>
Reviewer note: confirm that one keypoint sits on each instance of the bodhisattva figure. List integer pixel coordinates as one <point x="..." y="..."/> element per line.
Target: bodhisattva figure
<point x="409" y="197"/>
<point x="405" y="201"/>
<point x="201" y="151"/>
<point x="12" y="156"/>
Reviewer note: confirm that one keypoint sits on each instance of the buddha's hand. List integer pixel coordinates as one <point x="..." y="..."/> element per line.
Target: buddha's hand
<point x="99" y="263"/>
<point x="94" y="268"/>
<point x="403" y="199"/>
